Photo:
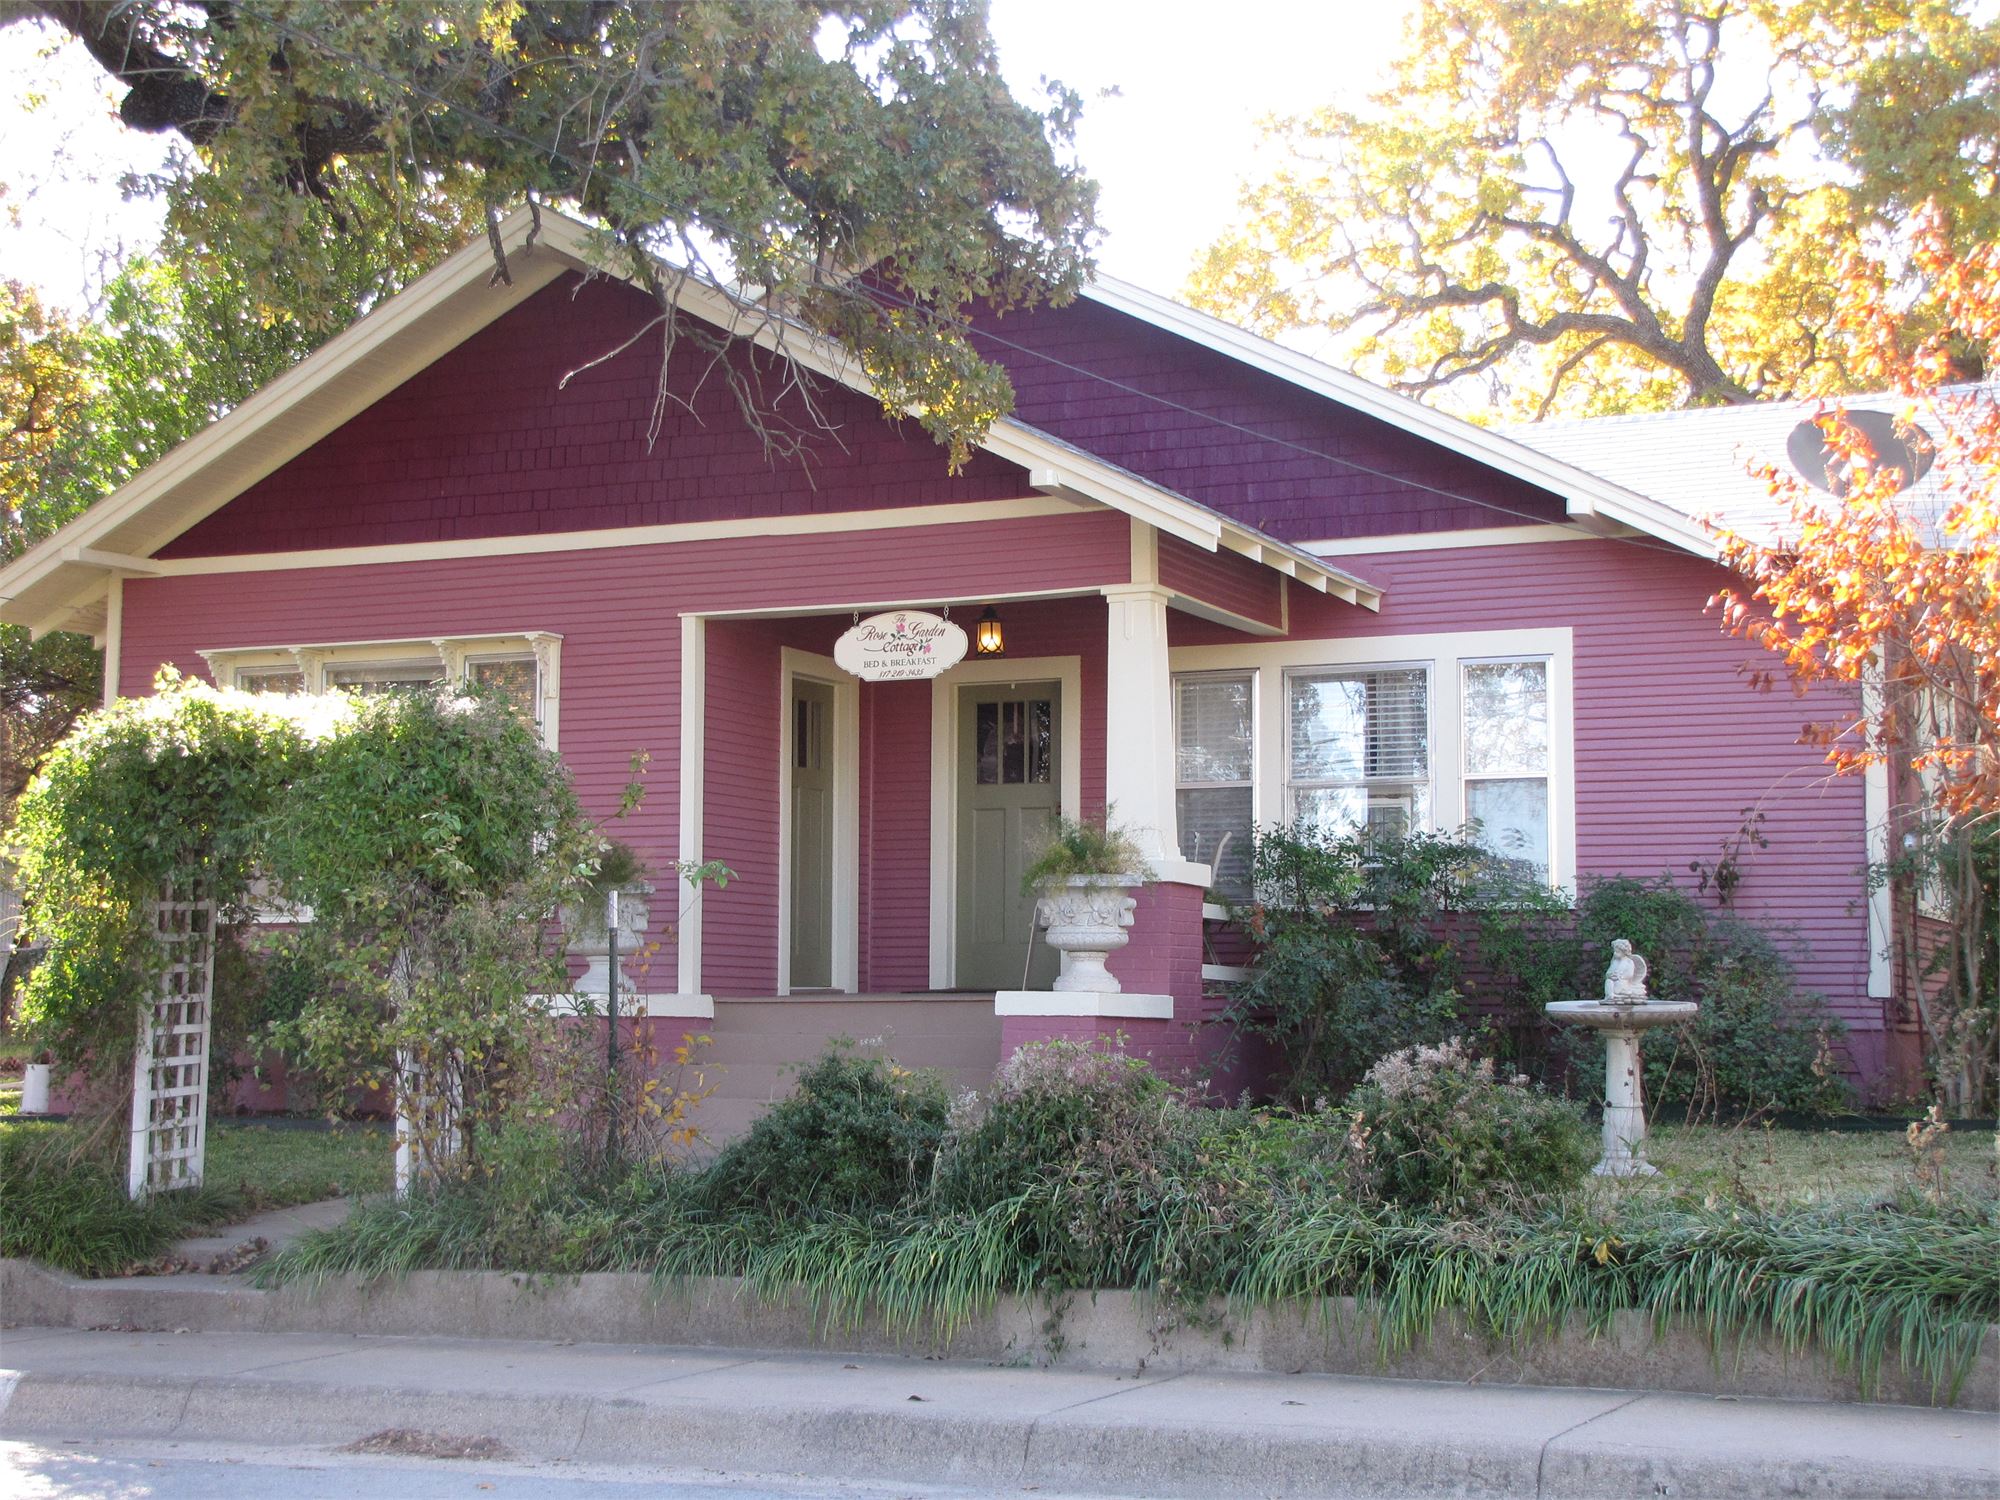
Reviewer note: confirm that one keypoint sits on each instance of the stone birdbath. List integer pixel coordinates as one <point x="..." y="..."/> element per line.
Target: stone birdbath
<point x="1624" y="1015"/>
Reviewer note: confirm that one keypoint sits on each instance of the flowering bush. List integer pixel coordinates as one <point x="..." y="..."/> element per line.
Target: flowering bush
<point x="1437" y="1126"/>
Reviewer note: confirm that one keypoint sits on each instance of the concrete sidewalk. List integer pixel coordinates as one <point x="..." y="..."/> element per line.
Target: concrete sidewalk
<point x="883" y="1417"/>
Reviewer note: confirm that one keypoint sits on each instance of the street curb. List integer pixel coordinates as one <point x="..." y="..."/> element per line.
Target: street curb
<point x="1083" y="1331"/>
<point x="1056" y="1450"/>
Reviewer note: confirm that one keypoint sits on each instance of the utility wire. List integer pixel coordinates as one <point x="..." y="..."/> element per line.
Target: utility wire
<point x="555" y="153"/>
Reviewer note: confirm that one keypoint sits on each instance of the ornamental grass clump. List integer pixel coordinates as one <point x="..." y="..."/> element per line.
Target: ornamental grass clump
<point x="1081" y="847"/>
<point x="72" y="1213"/>
<point x="1438" y="1127"/>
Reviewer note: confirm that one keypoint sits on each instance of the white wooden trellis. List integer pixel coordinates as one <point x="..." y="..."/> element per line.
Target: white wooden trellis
<point x="170" y="1072"/>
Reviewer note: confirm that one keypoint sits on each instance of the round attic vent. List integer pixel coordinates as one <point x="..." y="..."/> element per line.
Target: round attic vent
<point x="1903" y="449"/>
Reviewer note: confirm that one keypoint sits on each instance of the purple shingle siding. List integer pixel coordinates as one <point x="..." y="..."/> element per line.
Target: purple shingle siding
<point x="1177" y="412"/>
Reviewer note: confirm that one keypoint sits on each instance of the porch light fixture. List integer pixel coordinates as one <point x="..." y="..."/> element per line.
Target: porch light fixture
<point x="987" y="638"/>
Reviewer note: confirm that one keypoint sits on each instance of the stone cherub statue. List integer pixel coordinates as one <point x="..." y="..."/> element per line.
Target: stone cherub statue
<point x="1625" y="980"/>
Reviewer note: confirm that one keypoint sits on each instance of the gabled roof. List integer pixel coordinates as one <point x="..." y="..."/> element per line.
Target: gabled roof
<point x="1591" y="498"/>
<point x="60" y="584"/>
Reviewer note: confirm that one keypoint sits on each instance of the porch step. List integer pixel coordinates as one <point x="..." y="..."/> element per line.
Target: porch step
<point x="760" y="1045"/>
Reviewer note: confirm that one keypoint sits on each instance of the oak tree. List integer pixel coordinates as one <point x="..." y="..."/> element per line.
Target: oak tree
<point x="1584" y="206"/>
<point x="782" y="144"/>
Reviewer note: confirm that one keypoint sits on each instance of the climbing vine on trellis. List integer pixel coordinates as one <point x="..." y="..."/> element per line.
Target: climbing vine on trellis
<point x="430" y="834"/>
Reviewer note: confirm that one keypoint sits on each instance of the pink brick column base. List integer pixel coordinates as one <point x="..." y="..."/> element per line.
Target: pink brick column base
<point x="1162" y="958"/>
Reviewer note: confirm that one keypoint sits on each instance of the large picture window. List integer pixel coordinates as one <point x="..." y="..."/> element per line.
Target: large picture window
<point x="1381" y="734"/>
<point x="1506" y="756"/>
<point x="1358" y="750"/>
<point x="1215" y="765"/>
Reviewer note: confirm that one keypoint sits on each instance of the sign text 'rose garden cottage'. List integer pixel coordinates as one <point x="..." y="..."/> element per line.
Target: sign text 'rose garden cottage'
<point x="900" y="646"/>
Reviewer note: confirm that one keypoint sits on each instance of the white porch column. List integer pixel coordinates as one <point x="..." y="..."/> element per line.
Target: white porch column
<point x="693" y="753"/>
<point x="1139" y="720"/>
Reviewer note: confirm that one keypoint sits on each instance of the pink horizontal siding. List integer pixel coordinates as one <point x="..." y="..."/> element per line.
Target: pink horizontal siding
<point x="1671" y="742"/>
<point x="895" y="895"/>
<point x="489" y="440"/>
<point x="1224" y="580"/>
<point x="618" y="611"/>
<point x="740" y="811"/>
<point x="1247" y="443"/>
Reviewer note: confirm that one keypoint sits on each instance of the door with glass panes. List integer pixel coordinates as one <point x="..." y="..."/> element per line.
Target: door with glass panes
<point x="1009" y="792"/>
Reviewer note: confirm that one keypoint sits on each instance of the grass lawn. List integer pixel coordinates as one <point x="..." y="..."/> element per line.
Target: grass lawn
<point x="75" y="1215"/>
<point x="275" y="1166"/>
<point x="1774" y="1168"/>
<point x="272" y="1165"/>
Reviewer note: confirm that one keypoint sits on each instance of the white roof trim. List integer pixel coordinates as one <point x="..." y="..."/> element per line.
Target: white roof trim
<point x="60" y="583"/>
<point x="1588" y="498"/>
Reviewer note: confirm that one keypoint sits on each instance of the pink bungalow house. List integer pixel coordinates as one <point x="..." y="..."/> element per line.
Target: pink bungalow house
<point x="1236" y="586"/>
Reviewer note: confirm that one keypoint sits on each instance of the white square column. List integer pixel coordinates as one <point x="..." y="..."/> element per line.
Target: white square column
<point x="1139" y="729"/>
<point x="693" y="769"/>
<point x="1139" y="720"/>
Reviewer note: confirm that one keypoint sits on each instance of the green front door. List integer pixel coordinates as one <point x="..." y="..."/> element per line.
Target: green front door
<point x="811" y="894"/>
<point x="1009" y="791"/>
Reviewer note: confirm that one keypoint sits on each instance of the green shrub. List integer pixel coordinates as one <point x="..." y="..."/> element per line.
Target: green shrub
<point x="857" y="1135"/>
<point x="1436" y="1127"/>
<point x="1090" y="1157"/>
<point x="1352" y="958"/>
<point x="1758" y="1044"/>
<point x="1532" y="955"/>
<point x="1056" y="1109"/>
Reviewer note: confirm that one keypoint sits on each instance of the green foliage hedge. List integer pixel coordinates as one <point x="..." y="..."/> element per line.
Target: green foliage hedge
<point x="856" y="1135"/>
<point x="1758" y="1044"/>
<point x="1353" y="959"/>
<point x="1085" y="1170"/>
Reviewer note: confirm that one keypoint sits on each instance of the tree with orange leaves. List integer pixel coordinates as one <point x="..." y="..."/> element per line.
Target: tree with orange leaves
<point x="1901" y="599"/>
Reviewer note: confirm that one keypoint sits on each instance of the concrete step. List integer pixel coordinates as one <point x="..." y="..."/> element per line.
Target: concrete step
<point x="759" y="1046"/>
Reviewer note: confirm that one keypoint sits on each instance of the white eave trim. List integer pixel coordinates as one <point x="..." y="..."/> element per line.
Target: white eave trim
<point x="1586" y="497"/>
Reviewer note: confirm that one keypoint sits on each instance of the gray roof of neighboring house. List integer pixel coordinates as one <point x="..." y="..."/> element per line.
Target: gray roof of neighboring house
<point x="1700" y="462"/>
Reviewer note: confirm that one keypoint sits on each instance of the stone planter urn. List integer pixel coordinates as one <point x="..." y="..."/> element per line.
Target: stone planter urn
<point x="1085" y="917"/>
<point x="589" y="940"/>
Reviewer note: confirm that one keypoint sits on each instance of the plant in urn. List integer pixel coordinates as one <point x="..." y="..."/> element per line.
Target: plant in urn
<point x="1083" y="878"/>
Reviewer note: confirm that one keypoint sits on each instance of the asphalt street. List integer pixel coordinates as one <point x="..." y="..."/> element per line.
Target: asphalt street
<point x="98" y="1470"/>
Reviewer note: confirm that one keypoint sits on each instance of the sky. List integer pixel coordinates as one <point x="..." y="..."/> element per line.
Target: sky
<point x="1169" y="149"/>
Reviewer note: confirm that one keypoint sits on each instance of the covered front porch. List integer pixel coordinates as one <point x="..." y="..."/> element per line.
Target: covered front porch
<point x="877" y="830"/>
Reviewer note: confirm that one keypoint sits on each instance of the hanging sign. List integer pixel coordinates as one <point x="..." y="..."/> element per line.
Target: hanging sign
<point x="900" y="646"/>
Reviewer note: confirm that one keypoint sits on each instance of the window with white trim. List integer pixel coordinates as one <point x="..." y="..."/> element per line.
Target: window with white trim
<point x="1428" y="730"/>
<point x="1505" y="754"/>
<point x="1215" y="763"/>
<point x="524" y="668"/>
<point x="1358" y="750"/>
<point x="384" y="676"/>
<point x="270" y="680"/>
<point x="515" y="678"/>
